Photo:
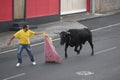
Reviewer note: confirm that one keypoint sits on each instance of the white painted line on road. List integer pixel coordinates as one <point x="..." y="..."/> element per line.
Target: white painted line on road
<point x="7" y="51"/>
<point x="37" y="44"/>
<point x="31" y="45"/>
<point x="59" y="38"/>
<point x="106" y="27"/>
<point x="15" y="76"/>
<point x="43" y="42"/>
<point x="106" y="50"/>
<point x="84" y="73"/>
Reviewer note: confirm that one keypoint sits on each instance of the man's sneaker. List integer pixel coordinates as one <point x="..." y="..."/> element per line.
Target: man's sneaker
<point x="34" y="63"/>
<point x="18" y="64"/>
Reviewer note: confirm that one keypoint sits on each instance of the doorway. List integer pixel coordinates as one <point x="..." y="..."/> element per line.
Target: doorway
<point x="19" y="9"/>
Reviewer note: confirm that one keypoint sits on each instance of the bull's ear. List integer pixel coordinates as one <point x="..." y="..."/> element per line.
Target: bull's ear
<point x="56" y="33"/>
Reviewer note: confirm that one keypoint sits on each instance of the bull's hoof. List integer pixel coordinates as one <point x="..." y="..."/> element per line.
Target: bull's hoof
<point x="65" y="57"/>
<point x="92" y="54"/>
<point x="78" y="52"/>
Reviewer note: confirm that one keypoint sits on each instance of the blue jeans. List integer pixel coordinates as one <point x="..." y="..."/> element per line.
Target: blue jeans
<point x="27" y="48"/>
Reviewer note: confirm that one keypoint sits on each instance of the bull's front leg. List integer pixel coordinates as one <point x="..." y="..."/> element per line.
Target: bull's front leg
<point x="66" y="46"/>
<point x="79" y="49"/>
<point x="76" y="50"/>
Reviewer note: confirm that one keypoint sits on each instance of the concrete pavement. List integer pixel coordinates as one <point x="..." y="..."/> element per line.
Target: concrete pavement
<point x="66" y="22"/>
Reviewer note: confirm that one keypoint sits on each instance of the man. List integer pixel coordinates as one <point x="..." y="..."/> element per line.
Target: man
<point x="23" y="36"/>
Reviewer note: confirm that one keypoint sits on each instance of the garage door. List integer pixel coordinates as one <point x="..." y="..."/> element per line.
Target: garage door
<point x="72" y="6"/>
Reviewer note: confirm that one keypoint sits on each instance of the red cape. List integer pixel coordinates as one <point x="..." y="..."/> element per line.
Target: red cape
<point x="49" y="51"/>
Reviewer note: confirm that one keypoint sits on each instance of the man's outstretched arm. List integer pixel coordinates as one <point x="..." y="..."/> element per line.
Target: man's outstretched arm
<point x="9" y="42"/>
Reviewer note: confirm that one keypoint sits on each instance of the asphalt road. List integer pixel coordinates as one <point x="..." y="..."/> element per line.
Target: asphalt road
<point x="104" y="65"/>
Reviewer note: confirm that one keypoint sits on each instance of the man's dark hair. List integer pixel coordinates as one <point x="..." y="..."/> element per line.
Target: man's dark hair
<point x="25" y="26"/>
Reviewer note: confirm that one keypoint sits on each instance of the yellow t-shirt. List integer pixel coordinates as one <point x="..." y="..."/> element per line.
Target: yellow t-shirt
<point x="24" y="37"/>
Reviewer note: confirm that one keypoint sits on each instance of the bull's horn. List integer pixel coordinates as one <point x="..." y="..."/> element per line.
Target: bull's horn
<point x="56" y="33"/>
<point x="68" y="32"/>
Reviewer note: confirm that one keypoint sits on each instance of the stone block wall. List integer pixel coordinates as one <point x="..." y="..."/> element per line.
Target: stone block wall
<point x="106" y="5"/>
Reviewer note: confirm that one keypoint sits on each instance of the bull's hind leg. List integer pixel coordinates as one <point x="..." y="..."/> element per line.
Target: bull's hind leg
<point x="92" y="46"/>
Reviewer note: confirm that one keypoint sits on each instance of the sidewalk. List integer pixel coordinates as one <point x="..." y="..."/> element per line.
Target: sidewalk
<point x="66" y="22"/>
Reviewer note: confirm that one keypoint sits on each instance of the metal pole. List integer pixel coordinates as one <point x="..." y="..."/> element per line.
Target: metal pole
<point x="93" y="6"/>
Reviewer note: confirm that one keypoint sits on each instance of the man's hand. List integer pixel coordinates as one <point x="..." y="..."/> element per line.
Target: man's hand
<point x="38" y="33"/>
<point x="9" y="42"/>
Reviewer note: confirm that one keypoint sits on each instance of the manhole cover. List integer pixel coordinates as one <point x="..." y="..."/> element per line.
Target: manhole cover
<point x="84" y="73"/>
